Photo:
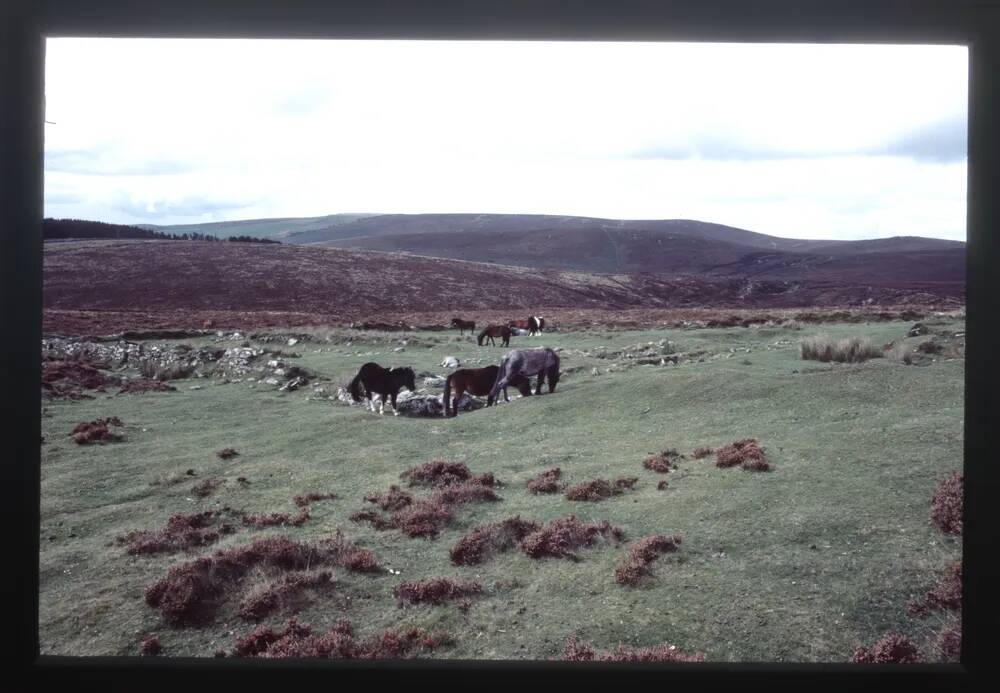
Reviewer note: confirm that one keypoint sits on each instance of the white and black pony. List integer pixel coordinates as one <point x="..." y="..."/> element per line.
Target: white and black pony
<point x="543" y="362"/>
<point x="387" y="382"/>
<point x="533" y="325"/>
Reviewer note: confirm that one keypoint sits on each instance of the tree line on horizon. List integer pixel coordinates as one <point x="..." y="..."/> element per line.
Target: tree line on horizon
<point x="82" y="228"/>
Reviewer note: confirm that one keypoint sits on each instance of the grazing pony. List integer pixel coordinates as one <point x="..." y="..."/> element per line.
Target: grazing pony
<point x="527" y="362"/>
<point x="463" y="325"/>
<point x="478" y="381"/>
<point x="533" y="325"/>
<point x="387" y="382"/>
<point x="495" y="331"/>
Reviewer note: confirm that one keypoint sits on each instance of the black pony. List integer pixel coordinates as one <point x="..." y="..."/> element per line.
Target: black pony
<point x="387" y="382"/>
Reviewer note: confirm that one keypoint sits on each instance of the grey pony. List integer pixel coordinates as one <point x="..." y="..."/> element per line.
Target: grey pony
<point x="541" y="361"/>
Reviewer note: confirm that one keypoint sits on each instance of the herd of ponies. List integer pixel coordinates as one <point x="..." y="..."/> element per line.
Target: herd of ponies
<point x="515" y="369"/>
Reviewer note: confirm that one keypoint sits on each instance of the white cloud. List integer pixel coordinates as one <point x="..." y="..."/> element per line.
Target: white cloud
<point x="808" y="140"/>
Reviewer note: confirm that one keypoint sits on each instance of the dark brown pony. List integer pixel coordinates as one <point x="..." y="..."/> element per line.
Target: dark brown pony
<point x="495" y="331"/>
<point x="463" y="325"/>
<point x="478" y="381"/>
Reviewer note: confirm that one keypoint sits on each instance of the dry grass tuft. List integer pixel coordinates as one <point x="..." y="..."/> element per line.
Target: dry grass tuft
<point x="849" y="350"/>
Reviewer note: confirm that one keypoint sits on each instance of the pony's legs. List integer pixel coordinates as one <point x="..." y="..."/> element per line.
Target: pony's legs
<point x="541" y="379"/>
<point x="394" y="410"/>
<point x="552" y="379"/>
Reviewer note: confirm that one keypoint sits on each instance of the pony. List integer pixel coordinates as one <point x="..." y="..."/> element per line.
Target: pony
<point x="463" y="325"/>
<point x="387" y="382"/>
<point x="478" y="381"/>
<point x="495" y="331"/>
<point x="533" y="325"/>
<point x="542" y="361"/>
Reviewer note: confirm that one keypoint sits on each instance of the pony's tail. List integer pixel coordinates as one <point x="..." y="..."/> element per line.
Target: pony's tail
<point x="447" y="394"/>
<point x="355" y="388"/>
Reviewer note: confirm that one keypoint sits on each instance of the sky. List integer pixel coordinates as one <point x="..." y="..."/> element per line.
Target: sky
<point x="793" y="140"/>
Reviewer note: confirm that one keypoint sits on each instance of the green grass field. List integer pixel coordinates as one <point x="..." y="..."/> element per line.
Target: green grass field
<point x="802" y="563"/>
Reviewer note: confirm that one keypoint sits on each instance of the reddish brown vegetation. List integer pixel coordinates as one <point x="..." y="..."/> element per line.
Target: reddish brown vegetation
<point x="946" y="506"/>
<point x="664" y="462"/>
<point x="423" y="518"/>
<point x="297" y="640"/>
<point x="486" y="540"/>
<point x="635" y="565"/>
<point x="274" y="519"/>
<point x="181" y="533"/>
<point x="599" y="489"/>
<point x="702" y="452"/>
<point x="394" y="500"/>
<point x="96" y="431"/>
<point x="150" y="646"/>
<point x="67" y="379"/>
<point x="438" y="473"/>
<point x="282" y="594"/>
<point x="662" y="485"/>
<point x="191" y="592"/>
<point x="546" y="482"/>
<point x="307" y="498"/>
<point x="560" y="537"/>
<point x="949" y="643"/>
<point x="893" y="648"/>
<point x="946" y="594"/>
<point x="472" y="491"/>
<point x="206" y="488"/>
<point x="578" y="651"/>
<point x="435" y="591"/>
<point x="226" y="453"/>
<point x="141" y="385"/>
<point x="747" y="453"/>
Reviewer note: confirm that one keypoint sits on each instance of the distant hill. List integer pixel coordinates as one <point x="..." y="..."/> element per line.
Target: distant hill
<point x="671" y="247"/>
<point x="65" y="229"/>
<point x="278" y="229"/>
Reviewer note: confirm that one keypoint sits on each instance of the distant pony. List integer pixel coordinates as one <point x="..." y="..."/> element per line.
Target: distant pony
<point x="525" y="363"/>
<point x="477" y="381"/>
<point x="533" y="325"/>
<point x="463" y="325"/>
<point x="387" y="382"/>
<point x="495" y="331"/>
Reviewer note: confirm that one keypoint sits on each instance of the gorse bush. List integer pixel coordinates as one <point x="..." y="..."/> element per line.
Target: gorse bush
<point x="848" y="350"/>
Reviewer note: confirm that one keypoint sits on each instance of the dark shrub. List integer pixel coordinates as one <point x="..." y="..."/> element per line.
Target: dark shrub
<point x="893" y="648"/>
<point x="946" y="506"/>
<point x="545" y="482"/>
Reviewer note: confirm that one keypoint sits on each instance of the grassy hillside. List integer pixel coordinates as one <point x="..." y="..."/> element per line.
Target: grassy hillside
<point x="802" y="563"/>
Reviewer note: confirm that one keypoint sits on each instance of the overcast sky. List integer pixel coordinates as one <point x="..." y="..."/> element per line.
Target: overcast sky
<point x="806" y="141"/>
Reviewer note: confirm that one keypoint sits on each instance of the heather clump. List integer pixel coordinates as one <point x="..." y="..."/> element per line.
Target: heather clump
<point x="946" y="505"/>
<point x="893" y="648"/>
<point x="599" y="489"/>
<point x="395" y="499"/>
<point x="948" y="643"/>
<point x="484" y="541"/>
<point x="207" y="487"/>
<point x="150" y="646"/>
<point x="181" y="533"/>
<point x="635" y="565"/>
<point x="559" y="538"/>
<point x="747" y="453"/>
<point x="579" y="651"/>
<point x="96" y="431"/>
<point x="946" y="594"/>
<point x="702" y="452"/>
<point x="664" y="462"/>
<point x="302" y="500"/>
<point x="437" y="473"/>
<point x="226" y="453"/>
<point x="436" y="591"/>
<point x="282" y="594"/>
<point x="546" y="482"/>
<point x="298" y="640"/>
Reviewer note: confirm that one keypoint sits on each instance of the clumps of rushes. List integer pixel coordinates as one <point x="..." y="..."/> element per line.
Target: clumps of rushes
<point x="139" y="386"/>
<point x="435" y="591"/>
<point x="486" y="540"/>
<point x="226" y="453"/>
<point x="946" y="594"/>
<point x="848" y="350"/>
<point x="747" y="453"/>
<point x="546" y="482"/>
<point x="663" y="462"/>
<point x="150" y="646"/>
<point x="191" y="592"/>
<point x="579" y="651"/>
<point x="182" y="532"/>
<point x="97" y="431"/>
<point x="560" y="537"/>
<point x="893" y="648"/>
<point x="440" y="474"/>
<point x="207" y="487"/>
<point x="306" y="498"/>
<point x="297" y="640"/>
<point x="702" y="452"/>
<point x="635" y="565"/>
<point x="946" y="506"/>
<point x="282" y="594"/>
<point x="599" y="489"/>
<point x="395" y="499"/>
